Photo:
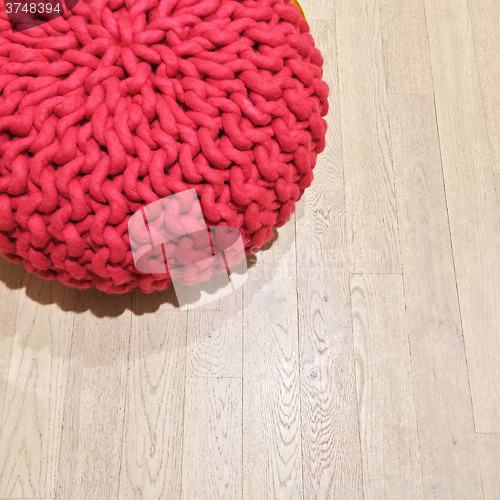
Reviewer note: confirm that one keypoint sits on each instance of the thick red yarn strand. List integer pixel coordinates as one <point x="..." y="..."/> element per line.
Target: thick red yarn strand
<point x="120" y="103"/>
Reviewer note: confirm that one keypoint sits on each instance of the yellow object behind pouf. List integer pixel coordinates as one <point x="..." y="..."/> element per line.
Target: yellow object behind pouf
<point x="295" y="2"/>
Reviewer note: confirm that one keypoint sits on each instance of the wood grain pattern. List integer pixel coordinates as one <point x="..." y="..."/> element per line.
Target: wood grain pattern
<point x="152" y="440"/>
<point x="488" y="446"/>
<point x="330" y="434"/>
<point x="439" y="369"/>
<point x="96" y="401"/>
<point x="369" y="180"/>
<point x="33" y="411"/>
<point x="11" y="278"/>
<point x="214" y="338"/>
<point x="272" y="458"/>
<point x="472" y="206"/>
<point x="212" y="465"/>
<point x="406" y="48"/>
<point x="387" y="421"/>
<point x="91" y="445"/>
<point x="317" y="9"/>
<point x="485" y="16"/>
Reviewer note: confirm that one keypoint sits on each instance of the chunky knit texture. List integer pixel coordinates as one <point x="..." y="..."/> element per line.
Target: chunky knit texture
<point x="120" y="103"/>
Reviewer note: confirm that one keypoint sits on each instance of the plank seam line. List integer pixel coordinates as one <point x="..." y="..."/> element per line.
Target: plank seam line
<point x="473" y="36"/>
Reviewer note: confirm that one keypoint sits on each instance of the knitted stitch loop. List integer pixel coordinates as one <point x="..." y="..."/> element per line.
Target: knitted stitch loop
<point x="119" y="103"/>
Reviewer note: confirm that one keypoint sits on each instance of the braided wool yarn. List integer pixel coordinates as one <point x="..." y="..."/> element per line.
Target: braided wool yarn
<point x="120" y="103"/>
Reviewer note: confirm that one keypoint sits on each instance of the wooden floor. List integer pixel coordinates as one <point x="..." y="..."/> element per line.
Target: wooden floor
<point x="363" y="352"/>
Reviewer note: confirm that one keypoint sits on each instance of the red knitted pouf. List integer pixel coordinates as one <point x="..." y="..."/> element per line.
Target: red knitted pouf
<point x="120" y="103"/>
